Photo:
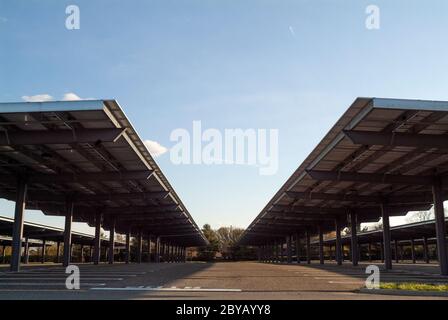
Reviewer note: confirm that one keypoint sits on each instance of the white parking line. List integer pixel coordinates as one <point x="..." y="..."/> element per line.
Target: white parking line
<point x="38" y="284"/>
<point x="347" y="282"/>
<point x="63" y="273"/>
<point x="188" y="289"/>
<point x="56" y="278"/>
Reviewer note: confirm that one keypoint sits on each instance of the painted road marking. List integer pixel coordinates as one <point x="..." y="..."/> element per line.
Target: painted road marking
<point x="82" y="271"/>
<point x="38" y="284"/>
<point x="56" y="278"/>
<point x="347" y="282"/>
<point x="63" y="273"/>
<point x="196" y="289"/>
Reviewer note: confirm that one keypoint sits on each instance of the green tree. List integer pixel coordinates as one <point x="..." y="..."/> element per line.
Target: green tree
<point x="208" y="252"/>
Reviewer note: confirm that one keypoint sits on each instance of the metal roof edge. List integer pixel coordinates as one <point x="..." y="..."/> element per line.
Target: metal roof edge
<point x="409" y="104"/>
<point x="49" y="106"/>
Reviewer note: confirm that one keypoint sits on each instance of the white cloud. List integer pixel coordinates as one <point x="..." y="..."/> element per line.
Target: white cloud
<point x="38" y="98"/>
<point x="70" y="96"/>
<point x="3" y="19"/>
<point x="155" y="148"/>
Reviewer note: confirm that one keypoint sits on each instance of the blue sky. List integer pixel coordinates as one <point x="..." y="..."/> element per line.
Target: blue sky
<point x="294" y="66"/>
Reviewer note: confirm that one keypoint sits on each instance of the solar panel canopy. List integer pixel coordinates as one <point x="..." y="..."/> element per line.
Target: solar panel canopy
<point x="387" y="152"/>
<point x="87" y="154"/>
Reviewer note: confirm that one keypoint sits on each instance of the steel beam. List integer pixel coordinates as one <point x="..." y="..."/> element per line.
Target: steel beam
<point x="168" y="208"/>
<point x="39" y="137"/>
<point x="439" y="214"/>
<point x="397" y="139"/>
<point x="407" y="199"/>
<point x="370" y="177"/>
<point x="17" y="231"/>
<point x="313" y="213"/>
<point x="386" y="237"/>
<point x="81" y="198"/>
<point x="301" y="213"/>
<point x="68" y="234"/>
<point x="82" y="177"/>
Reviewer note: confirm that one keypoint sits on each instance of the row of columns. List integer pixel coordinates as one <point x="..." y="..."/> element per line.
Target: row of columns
<point x="440" y="230"/>
<point x="43" y="252"/>
<point x="270" y="252"/>
<point x="168" y="251"/>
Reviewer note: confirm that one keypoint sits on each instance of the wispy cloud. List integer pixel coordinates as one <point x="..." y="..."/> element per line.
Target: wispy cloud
<point x="3" y="19"/>
<point x="291" y="30"/>
<point x="38" y="98"/>
<point x="155" y="148"/>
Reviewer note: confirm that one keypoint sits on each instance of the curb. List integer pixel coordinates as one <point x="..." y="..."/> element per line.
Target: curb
<point x="404" y="292"/>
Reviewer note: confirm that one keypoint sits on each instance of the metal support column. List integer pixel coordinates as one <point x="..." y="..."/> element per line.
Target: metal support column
<point x="112" y="240"/>
<point x="82" y="253"/>
<point x="439" y="214"/>
<point x="354" y="239"/>
<point x="26" y="258"/>
<point x="44" y="245"/>
<point x="297" y="248"/>
<point x="413" y="251"/>
<point x="396" y="251"/>
<point x="386" y="237"/>
<point x="382" y="251"/>
<point x="288" y="249"/>
<point x="321" y="245"/>
<point x="425" y="250"/>
<point x="68" y="234"/>
<point x="275" y="252"/>
<point x="139" y="246"/>
<point x="128" y="247"/>
<point x="58" y="250"/>
<point x="3" y="254"/>
<point x="308" y="247"/>
<point x="149" y="247"/>
<point x="97" y="241"/>
<point x="17" y="231"/>
<point x="338" y="247"/>
<point x="157" y="250"/>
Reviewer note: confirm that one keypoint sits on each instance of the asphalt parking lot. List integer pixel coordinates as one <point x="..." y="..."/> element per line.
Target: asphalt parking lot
<point x="216" y="281"/>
